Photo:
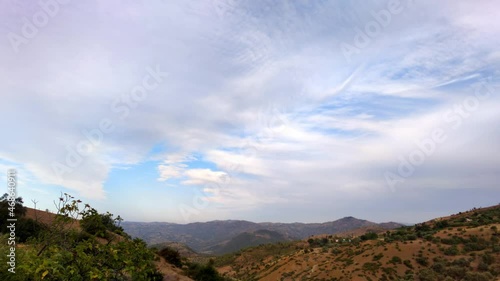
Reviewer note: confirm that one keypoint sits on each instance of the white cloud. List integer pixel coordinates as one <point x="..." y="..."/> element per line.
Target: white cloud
<point x="168" y="172"/>
<point x="277" y="112"/>
<point x="202" y="176"/>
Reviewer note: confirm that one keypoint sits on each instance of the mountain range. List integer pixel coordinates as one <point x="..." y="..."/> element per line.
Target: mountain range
<point x="223" y="236"/>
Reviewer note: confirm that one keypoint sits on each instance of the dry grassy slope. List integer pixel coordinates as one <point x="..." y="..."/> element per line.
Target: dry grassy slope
<point x="44" y="217"/>
<point x="170" y="272"/>
<point x="345" y="261"/>
<point x="317" y="265"/>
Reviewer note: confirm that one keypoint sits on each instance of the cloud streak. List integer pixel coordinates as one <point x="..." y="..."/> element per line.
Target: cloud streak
<point x="259" y="98"/>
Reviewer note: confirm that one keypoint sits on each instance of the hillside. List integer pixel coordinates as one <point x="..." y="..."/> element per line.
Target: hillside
<point x="78" y="243"/>
<point x="207" y="236"/>
<point x="183" y="250"/>
<point x="464" y="246"/>
<point x="197" y="236"/>
<point x="248" y="239"/>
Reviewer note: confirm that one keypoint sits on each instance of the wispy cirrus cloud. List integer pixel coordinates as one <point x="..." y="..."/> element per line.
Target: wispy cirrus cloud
<point x="259" y="100"/>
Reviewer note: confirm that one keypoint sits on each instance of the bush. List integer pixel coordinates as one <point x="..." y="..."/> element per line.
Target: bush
<point x="92" y="223"/>
<point x="461" y="262"/>
<point x="451" y="251"/>
<point x="476" y="276"/>
<point x="172" y="256"/>
<point x="203" y="272"/>
<point x="475" y="244"/>
<point x="488" y="259"/>
<point x="427" y="275"/>
<point x="441" y="224"/>
<point x="99" y="224"/>
<point x="411" y="237"/>
<point x="370" y="266"/>
<point x="439" y="267"/>
<point x="482" y="266"/>
<point x="378" y="257"/>
<point x="369" y="236"/>
<point x="423" y="261"/>
<point x="395" y="260"/>
<point x="456" y="272"/>
<point x="408" y="264"/>
<point x="27" y="228"/>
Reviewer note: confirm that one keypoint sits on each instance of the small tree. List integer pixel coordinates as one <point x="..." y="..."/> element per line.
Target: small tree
<point x="18" y="209"/>
<point x="171" y="255"/>
<point x="25" y="228"/>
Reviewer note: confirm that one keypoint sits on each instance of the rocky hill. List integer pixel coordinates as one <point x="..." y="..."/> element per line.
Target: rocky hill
<point x="463" y="246"/>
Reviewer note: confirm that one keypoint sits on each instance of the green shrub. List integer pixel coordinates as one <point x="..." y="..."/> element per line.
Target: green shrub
<point x="487" y="258"/>
<point x="427" y="275"/>
<point x="476" y="276"/>
<point x="171" y="255"/>
<point x="371" y="266"/>
<point x="456" y="272"/>
<point x="423" y="261"/>
<point x="27" y="228"/>
<point x="205" y="272"/>
<point x="451" y="251"/>
<point x="369" y="236"/>
<point x="482" y="266"/>
<point x="378" y="257"/>
<point x="408" y="264"/>
<point x="395" y="260"/>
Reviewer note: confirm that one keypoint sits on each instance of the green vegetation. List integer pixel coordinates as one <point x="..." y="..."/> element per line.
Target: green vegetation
<point x="205" y="272"/>
<point x="197" y="271"/>
<point x="64" y="251"/>
<point x="172" y="256"/>
<point x="94" y="247"/>
<point x="25" y="227"/>
<point x="369" y="236"/>
<point x="100" y="224"/>
<point x="395" y="260"/>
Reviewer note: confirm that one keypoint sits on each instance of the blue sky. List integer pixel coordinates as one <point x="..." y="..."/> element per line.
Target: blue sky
<point x="183" y="111"/>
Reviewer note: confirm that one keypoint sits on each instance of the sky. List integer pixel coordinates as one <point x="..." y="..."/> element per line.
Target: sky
<point x="268" y="111"/>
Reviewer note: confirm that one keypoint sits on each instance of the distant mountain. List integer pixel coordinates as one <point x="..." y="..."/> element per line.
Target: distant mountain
<point x="198" y="236"/>
<point x="206" y="237"/>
